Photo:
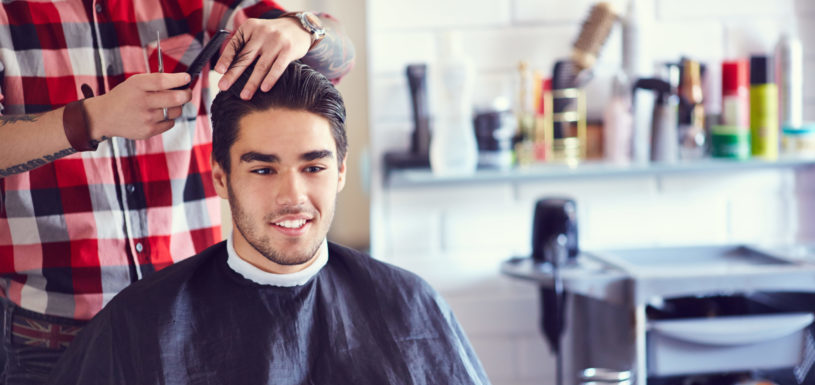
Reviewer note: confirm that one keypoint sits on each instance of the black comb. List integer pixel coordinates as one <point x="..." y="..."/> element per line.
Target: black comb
<point x="203" y="57"/>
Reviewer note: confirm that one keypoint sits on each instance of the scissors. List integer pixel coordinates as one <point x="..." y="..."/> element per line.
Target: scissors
<point x="160" y="65"/>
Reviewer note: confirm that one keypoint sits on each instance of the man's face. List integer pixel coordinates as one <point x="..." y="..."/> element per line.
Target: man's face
<point x="282" y="187"/>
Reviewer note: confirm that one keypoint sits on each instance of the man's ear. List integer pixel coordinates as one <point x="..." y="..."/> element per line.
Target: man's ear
<point x="219" y="178"/>
<point x="341" y="174"/>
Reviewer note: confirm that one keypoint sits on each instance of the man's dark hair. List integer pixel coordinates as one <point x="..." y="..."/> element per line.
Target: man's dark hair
<point x="298" y="88"/>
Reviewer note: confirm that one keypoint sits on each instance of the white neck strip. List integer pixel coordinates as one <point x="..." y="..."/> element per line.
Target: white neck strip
<point x="256" y="275"/>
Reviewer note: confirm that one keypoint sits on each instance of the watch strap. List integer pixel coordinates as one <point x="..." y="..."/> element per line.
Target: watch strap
<point x="317" y="32"/>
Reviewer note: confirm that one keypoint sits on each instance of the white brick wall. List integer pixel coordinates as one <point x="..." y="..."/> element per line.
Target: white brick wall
<point x="456" y="235"/>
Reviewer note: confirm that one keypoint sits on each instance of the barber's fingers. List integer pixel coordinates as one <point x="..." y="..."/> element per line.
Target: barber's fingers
<point x="247" y="55"/>
<point x="269" y="65"/>
<point x="164" y="99"/>
<point x="230" y="50"/>
<point x="164" y="125"/>
<point x="157" y="115"/>
<point x="275" y="71"/>
<point x="160" y="81"/>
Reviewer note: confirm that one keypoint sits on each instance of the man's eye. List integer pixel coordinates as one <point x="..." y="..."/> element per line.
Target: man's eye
<point x="262" y="171"/>
<point x="314" y="169"/>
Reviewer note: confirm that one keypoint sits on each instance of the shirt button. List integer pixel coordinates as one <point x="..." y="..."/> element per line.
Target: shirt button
<point x="98" y="7"/>
<point x="139" y="247"/>
<point x="131" y="188"/>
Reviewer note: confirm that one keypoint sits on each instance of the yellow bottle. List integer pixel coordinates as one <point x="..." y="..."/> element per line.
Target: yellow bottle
<point x="763" y="109"/>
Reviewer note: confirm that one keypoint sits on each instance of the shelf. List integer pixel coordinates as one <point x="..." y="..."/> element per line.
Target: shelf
<point x="589" y="169"/>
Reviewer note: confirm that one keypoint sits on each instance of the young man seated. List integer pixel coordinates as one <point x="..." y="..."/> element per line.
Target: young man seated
<point x="276" y="303"/>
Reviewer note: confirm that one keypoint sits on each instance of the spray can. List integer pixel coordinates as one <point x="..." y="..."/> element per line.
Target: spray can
<point x="789" y="58"/>
<point x="763" y="108"/>
<point x="736" y="94"/>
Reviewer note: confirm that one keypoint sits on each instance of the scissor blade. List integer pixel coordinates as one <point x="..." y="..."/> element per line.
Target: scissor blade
<point x="158" y="46"/>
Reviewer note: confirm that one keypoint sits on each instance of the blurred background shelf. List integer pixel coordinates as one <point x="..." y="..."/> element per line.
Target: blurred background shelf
<point x="589" y="169"/>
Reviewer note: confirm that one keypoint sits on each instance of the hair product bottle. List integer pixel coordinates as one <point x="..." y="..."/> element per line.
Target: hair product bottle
<point x="789" y="60"/>
<point x="736" y="94"/>
<point x="763" y="108"/>
<point x="453" y="149"/>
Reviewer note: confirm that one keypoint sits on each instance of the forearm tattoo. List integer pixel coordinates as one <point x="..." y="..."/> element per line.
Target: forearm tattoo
<point x="34" y="163"/>
<point x="334" y="55"/>
<point x="6" y="119"/>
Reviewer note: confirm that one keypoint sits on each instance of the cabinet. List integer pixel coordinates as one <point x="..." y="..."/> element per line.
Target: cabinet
<point x="633" y="281"/>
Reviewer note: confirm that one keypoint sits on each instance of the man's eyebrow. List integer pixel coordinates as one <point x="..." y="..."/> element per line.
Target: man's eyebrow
<point x="258" y="157"/>
<point x="319" y="154"/>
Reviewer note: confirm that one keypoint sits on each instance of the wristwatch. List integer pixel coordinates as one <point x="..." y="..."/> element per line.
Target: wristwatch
<point x="311" y="23"/>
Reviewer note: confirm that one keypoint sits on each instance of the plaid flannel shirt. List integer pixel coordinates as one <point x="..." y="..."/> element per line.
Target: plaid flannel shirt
<point x="76" y="231"/>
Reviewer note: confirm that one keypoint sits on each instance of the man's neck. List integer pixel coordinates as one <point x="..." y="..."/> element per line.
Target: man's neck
<point x="249" y="254"/>
<point x="252" y="272"/>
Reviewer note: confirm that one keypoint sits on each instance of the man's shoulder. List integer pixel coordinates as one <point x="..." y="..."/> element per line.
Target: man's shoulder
<point x="380" y="274"/>
<point x="165" y="281"/>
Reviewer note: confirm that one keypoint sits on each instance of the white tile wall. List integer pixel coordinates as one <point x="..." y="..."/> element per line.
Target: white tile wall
<point x="415" y="47"/>
<point x="745" y="38"/>
<point x="722" y="9"/>
<point x="455" y="236"/>
<point x="697" y="39"/>
<point x="428" y="14"/>
<point x="542" y="11"/>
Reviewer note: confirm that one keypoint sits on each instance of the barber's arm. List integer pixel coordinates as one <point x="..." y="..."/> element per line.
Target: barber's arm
<point x="277" y="42"/>
<point x="132" y="109"/>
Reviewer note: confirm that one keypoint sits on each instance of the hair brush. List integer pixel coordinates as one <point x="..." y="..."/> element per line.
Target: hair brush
<point x="593" y="35"/>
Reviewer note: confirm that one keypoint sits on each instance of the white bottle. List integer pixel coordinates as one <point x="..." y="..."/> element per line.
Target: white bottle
<point x="453" y="150"/>
<point x="789" y="59"/>
<point x="618" y="123"/>
<point x="638" y="29"/>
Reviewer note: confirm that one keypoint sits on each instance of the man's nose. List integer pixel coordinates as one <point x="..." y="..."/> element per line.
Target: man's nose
<point x="292" y="189"/>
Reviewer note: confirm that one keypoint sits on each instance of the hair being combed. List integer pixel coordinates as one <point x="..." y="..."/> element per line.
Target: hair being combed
<point x="299" y="88"/>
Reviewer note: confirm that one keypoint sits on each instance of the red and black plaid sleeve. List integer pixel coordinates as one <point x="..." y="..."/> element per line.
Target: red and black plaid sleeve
<point x="76" y="231"/>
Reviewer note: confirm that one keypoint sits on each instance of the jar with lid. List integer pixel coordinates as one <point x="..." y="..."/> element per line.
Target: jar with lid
<point x="799" y="141"/>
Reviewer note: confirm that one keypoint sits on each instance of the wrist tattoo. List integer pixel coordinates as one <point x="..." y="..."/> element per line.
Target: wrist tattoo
<point x="6" y="119"/>
<point x="333" y="56"/>
<point x="34" y="163"/>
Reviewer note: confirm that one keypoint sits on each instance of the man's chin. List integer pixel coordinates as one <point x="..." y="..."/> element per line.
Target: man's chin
<point x="290" y="256"/>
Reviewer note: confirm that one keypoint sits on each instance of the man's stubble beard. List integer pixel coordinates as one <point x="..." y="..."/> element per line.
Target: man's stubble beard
<point x="243" y="223"/>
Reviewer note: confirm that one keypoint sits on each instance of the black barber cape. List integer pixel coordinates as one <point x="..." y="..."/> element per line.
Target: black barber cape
<point x="358" y="321"/>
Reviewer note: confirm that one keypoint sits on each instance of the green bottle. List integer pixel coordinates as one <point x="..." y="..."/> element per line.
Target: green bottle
<point x="763" y="108"/>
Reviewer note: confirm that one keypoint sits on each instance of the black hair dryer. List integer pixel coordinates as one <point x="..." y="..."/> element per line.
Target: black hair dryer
<point x="554" y="217"/>
<point x="554" y="242"/>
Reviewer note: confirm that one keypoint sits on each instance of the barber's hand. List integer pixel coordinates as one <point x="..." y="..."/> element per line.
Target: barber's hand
<point x="134" y="108"/>
<point x="277" y="42"/>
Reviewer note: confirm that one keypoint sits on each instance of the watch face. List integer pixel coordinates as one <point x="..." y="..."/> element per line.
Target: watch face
<point x="313" y="20"/>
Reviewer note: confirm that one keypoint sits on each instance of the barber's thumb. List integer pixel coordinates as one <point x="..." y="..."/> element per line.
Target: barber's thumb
<point x="170" y="80"/>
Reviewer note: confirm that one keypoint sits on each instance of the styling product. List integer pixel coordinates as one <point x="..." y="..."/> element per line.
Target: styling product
<point x="691" y="112"/>
<point x="637" y="29"/>
<point x="732" y="142"/>
<point x="525" y="148"/>
<point x="789" y="66"/>
<point x="418" y="154"/>
<point x="417" y="81"/>
<point x="799" y="141"/>
<point x="736" y="94"/>
<point x="543" y="119"/>
<point x="494" y="129"/>
<point x="763" y="108"/>
<point x="664" y="141"/>
<point x="453" y="149"/>
<point x="617" y="122"/>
